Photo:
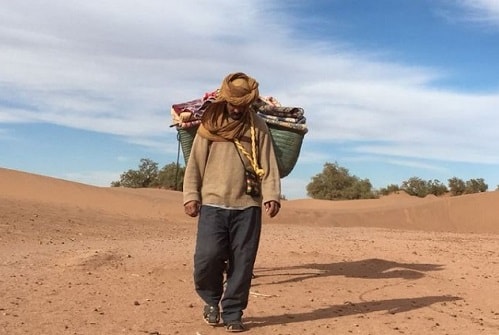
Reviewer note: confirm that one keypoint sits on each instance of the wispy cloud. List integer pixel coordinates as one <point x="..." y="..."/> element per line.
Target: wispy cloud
<point x="416" y="164"/>
<point x="483" y="11"/>
<point x="479" y="13"/>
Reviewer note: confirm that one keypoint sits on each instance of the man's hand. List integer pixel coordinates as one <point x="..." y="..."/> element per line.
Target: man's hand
<point x="272" y="208"/>
<point x="192" y="208"/>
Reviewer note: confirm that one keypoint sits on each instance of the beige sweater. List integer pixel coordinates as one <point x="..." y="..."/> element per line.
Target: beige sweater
<point x="215" y="174"/>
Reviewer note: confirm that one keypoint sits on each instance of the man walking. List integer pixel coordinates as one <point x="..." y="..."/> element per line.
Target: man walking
<point x="231" y="175"/>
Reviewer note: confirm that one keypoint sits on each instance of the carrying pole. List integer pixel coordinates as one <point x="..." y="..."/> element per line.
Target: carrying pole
<point x="178" y="159"/>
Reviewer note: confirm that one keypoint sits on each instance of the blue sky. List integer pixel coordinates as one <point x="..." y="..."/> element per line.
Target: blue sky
<point x="391" y="89"/>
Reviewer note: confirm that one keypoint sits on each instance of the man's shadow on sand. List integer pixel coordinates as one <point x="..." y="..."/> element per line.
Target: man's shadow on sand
<point x="373" y="268"/>
<point x="391" y="306"/>
<point x="369" y="269"/>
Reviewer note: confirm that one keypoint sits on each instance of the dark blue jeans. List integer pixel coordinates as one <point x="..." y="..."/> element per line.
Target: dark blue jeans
<point x="227" y="240"/>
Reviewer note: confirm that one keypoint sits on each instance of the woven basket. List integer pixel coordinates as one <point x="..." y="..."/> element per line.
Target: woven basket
<point x="287" y="144"/>
<point x="186" y="137"/>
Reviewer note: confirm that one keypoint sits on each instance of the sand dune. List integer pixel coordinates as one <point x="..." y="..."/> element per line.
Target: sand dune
<point x="476" y="213"/>
<point x="79" y="259"/>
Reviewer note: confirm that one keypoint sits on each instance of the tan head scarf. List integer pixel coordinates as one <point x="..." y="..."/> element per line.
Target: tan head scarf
<point x="237" y="89"/>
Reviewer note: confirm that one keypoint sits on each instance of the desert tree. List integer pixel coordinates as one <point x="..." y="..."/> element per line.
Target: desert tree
<point x="389" y="189"/>
<point x="336" y="183"/>
<point x="456" y="186"/>
<point x="421" y="188"/>
<point x="476" y="186"/>
<point x="145" y="176"/>
<point x="436" y="187"/>
<point x="171" y="177"/>
<point x="415" y="186"/>
<point x="459" y="187"/>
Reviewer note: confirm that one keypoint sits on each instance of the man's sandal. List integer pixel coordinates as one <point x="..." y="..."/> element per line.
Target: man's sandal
<point x="211" y="315"/>
<point x="234" y="326"/>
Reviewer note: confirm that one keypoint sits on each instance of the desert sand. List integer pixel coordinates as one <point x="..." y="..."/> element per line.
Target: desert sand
<point x="80" y="259"/>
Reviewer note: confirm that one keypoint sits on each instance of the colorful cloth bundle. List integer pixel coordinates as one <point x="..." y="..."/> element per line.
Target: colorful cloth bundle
<point x="273" y="113"/>
<point x="188" y="114"/>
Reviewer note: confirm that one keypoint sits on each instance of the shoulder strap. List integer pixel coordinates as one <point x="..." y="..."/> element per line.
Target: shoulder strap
<point x="239" y="154"/>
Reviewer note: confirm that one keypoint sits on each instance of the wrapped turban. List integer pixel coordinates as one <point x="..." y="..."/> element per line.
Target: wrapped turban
<point x="238" y="89"/>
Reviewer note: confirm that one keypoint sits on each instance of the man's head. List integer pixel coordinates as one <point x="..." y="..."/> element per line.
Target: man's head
<point x="234" y="98"/>
<point x="239" y="91"/>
